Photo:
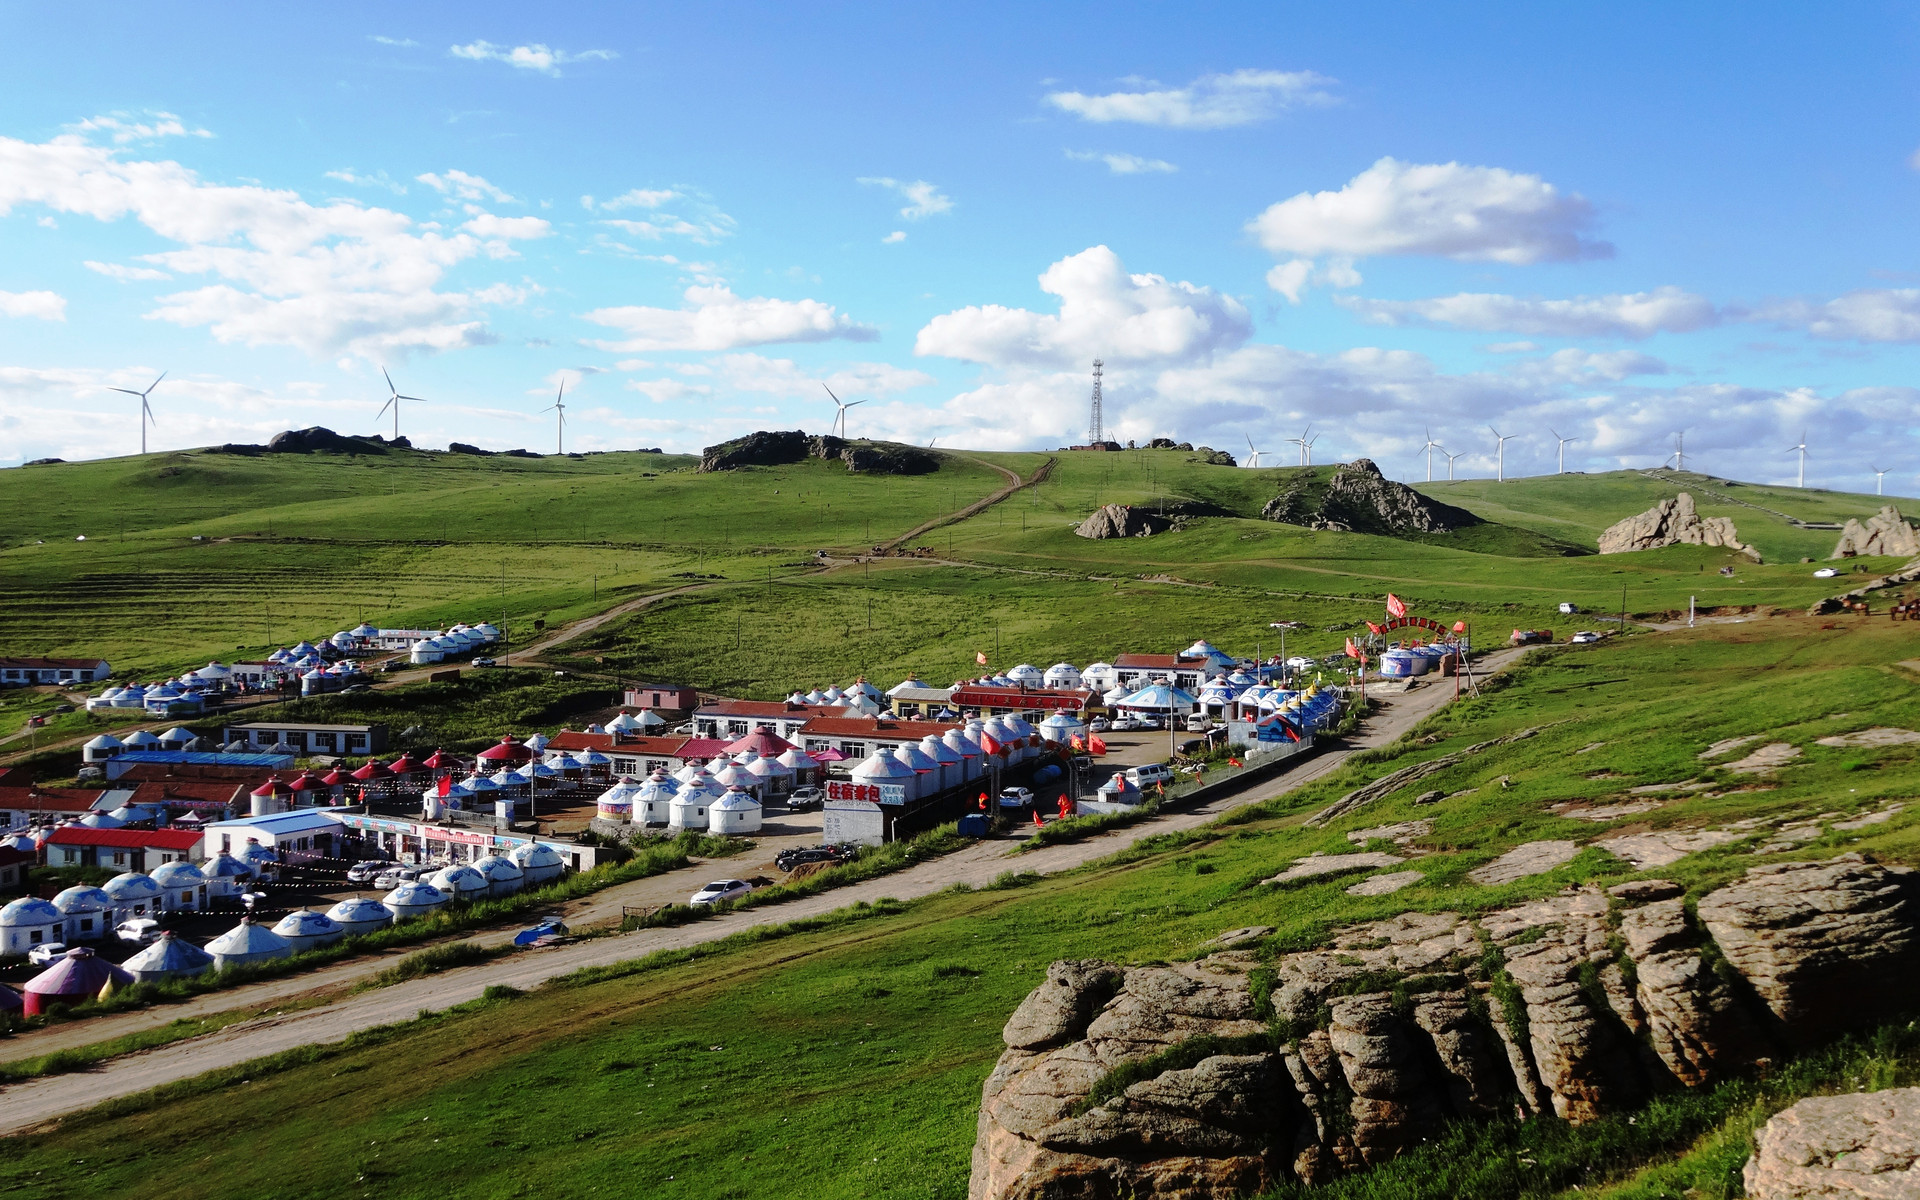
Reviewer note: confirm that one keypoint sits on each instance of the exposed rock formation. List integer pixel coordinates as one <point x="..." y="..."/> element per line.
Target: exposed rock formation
<point x="319" y="439"/>
<point x="1121" y="520"/>
<point x="1672" y="523"/>
<point x="1359" y="498"/>
<point x="1400" y="1025"/>
<point x="465" y="448"/>
<point x="769" y="449"/>
<point x="1862" y="1145"/>
<point x="1886" y="532"/>
<point x="42" y="462"/>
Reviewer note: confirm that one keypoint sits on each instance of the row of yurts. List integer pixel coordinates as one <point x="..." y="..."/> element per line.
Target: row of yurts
<point x="325" y="667"/>
<point x="82" y="914"/>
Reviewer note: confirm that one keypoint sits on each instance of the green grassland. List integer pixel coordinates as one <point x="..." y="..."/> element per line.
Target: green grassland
<point x="843" y="1058"/>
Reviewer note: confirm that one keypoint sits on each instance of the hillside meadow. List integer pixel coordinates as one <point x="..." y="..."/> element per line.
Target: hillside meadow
<point x="843" y="1057"/>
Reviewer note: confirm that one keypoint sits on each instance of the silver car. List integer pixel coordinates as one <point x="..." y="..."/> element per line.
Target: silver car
<point x="722" y="889"/>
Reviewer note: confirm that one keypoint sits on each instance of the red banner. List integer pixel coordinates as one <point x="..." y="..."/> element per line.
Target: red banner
<point x="853" y="791"/>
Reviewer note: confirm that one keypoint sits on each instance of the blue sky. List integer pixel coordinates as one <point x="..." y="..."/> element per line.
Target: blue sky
<point x="1618" y="222"/>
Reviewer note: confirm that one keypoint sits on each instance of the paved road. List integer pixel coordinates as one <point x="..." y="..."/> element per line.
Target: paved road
<point x="35" y="1102"/>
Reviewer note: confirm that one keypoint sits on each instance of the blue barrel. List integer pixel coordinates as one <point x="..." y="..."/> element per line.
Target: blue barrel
<point x="1047" y="774"/>
<point x="974" y="825"/>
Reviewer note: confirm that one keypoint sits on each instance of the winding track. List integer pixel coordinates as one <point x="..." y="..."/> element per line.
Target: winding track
<point x="34" y="1103"/>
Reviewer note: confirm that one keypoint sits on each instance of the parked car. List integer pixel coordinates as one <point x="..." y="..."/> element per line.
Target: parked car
<point x="804" y="798"/>
<point x="1584" y="637"/>
<point x="140" y="931"/>
<point x="1015" y="797"/>
<point x="484" y="662"/>
<point x="1199" y="723"/>
<point x="794" y="856"/>
<point x="1147" y="721"/>
<point x="357" y="687"/>
<point x="367" y="872"/>
<point x="61" y="708"/>
<point x="1532" y="637"/>
<point x="1147" y="775"/>
<point x="1099" y="725"/>
<point x="393" y="878"/>
<point x="720" y="889"/>
<point x="1301" y="662"/>
<point x="1825" y="573"/>
<point x="1124" y="725"/>
<point x="1568" y="608"/>
<point x="46" y="953"/>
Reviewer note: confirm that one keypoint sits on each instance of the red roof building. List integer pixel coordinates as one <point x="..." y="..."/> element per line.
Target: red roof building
<point x="203" y="795"/>
<point x="20" y="805"/>
<point x="121" y="849"/>
<point x="857" y="737"/>
<point x="636" y="756"/>
<point x="1031" y="702"/>
<point x="134" y="773"/>
<point x="730" y="719"/>
<point x="21" y="672"/>
<point x="662" y="697"/>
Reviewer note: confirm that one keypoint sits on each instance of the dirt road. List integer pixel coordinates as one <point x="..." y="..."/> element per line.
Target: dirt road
<point x="37" y="1101"/>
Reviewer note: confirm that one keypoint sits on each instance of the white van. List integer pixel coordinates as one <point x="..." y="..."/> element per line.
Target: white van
<point x="1146" y="776"/>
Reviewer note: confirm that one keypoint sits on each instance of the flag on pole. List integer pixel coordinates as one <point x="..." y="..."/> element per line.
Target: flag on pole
<point x="980" y="657"/>
<point x="1095" y="745"/>
<point x="1353" y="651"/>
<point x="1037" y="822"/>
<point x="1066" y="808"/>
<point x="1395" y="606"/>
<point x="983" y="802"/>
<point x="446" y="785"/>
<point x="1372" y="628"/>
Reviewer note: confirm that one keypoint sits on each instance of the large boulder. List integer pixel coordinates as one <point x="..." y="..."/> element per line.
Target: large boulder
<point x="1357" y="497"/>
<point x="1886" y="532"/>
<point x="1672" y="522"/>
<point x="772" y="449"/>
<point x="1121" y="520"/>
<point x="1864" y="1145"/>
<point x="318" y="439"/>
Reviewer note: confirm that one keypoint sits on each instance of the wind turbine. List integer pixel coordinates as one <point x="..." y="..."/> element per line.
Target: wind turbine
<point x="1253" y="456"/>
<point x="146" y="410"/>
<point x="1801" y="447"/>
<point x="1500" y="447"/>
<point x="1879" y="478"/>
<point x="1563" y="450"/>
<point x="393" y="402"/>
<point x="1680" y="451"/>
<point x="1306" y="446"/>
<point x="559" y="410"/>
<point x="1450" y="458"/>
<point x="840" y="417"/>
<point x="1430" y="447"/>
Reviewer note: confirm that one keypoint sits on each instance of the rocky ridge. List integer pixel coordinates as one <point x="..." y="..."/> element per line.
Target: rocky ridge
<point x="776" y="448"/>
<point x="1247" y="1071"/>
<point x="1673" y="522"/>
<point x="1359" y="499"/>
<point x="1885" y="532"/>
<point x="1121" y="520"/>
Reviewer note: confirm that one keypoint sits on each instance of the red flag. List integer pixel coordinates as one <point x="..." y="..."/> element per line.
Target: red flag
<point x="1234" y="762"/>
<point x="1076" y="743"/>
<point x="1095" y="745"/>
<point x="363" y="795"/>
<point x="1066" y="808"/>
<point x="980" y="658"/>
<point x="1353" y="651"/>
<point x="983" y="802"/>
<point x="1376" y="628"/>
<point x="1037" y="822"/>
<point x="446" y="784"/>
<point x="1395" y="607"/>
<point x="988" y="744"/>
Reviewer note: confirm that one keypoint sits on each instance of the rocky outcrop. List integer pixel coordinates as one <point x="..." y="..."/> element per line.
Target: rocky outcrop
<point x="772" y="449"/>
<point x="1862" y="1145"/>
<point x="1672" y="522"/>
<point x="320" y="440"/>
<point x="465" y="448"/>
<point x="1886" y="532"/>
<point x="1358" y="498"/>
<point x="1121" y="520"/>
<point x="1234" y="1073"/>
<point x="42" y="462"/>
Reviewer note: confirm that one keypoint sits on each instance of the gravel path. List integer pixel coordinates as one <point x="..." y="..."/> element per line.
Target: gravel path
<point x="26" y="1105"/>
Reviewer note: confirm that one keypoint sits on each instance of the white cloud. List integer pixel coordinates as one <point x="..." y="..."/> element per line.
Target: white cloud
<point x="1104" y="313"/>
<point x="894" y="238"/>
<point x="532" y="57"/>
<point x="648" y="198"/>
<point x="1584" y="366"/>
<point x="716" y="319"/>
<point x="124" y="273"/>
<point x="1630" y="315"/>
<point x="1210" y="102"/>
<point x="377" y="179"/>
<point x="663" y="391"/>
<point x="784" y="377"/>
<point x="463" y="186"/>
<point x="388" y="41"/>
<point x="147" y="127"/>
<point x="48" y="306"/>
<point x="923" y="198"/>
<point x="1124" y="164"/>
<point x="487" y="225"/>
<point x="334" y="279"/>
<point x="1290" y="278"/>
<point x="1870" y="315"/>
<point x="704" y="232"/>
<point x="1476" y="214"/>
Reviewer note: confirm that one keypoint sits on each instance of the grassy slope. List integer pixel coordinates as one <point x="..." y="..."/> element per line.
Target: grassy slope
<point x="851" y="1056"/>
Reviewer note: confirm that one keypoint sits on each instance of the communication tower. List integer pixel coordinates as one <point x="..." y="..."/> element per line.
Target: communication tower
<point x="1096" y="428"/>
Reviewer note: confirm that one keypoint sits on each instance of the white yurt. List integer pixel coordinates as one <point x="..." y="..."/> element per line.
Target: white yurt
<point x="1010" y="741"/>
<point x="1099" y="676"/>
<point x="170" y="957"/>
<point x="134" y="895"/>
<point x="691" y="770"/>
<point x="616" y="803"/>
<point x="102" y="748"/>
<point x="1120" y="790"/>
<point x="774" y="778"/>
<point x="653" y="800"/>
<point x="100" y="820"/>
<point x="972" y="762"/>
<point x="925" y="767"/>
<point x="182" y="886"/>
<point x="1062" y="675"/>
<point x="226" y="875"/>
<point x="834" y="696"/>
<point x="1027" y="675"/>
<point x="178" y="738"/>
<point x="414" y="899"/>
<point x="728" y="774"/>
<point x="688" y="808"/>
<point x="953" y="771"/>
<point x="540" y="862"/>
<point x="881" y="769"/>
<point x="1023" y="731"/>
<point x="624" y="723"/>
<point x="29" y="922"/>
<point x="140" y="739"/>
<point x="1062" y="728"/>
<point x="538" y="743"/>
<point x="504" y="876"/>
<point x="424" y="651"/>
<point x="805" y="767"/>
<point x="305" y="929"/>
<point x="247" y="943"/>
<point x="261" y="858"/>
<point x="736" y="812"/>
<point x="461" y="882"/>
<point x="860" y="704"/>
<point x="908" y="684"/>
<point x="861" y="687"/>
<point x="89" y="913"/>
<point x="358" y="914"/>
